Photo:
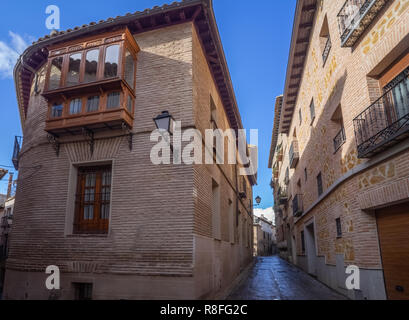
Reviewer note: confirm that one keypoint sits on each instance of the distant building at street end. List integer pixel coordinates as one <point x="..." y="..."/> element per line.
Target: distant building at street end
<point x="264" y="237"/>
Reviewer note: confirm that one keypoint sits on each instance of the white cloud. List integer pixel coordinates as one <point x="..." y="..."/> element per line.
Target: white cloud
<point x="268" y="213"/>
<point x="9" y="54"/>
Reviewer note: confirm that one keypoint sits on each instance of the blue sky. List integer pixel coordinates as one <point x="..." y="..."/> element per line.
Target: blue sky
<point x="255" y="35"/>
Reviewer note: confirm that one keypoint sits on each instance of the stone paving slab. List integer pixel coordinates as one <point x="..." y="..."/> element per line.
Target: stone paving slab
<point x="272" y="278"/>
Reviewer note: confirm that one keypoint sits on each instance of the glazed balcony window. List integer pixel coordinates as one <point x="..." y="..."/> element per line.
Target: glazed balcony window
<point x="91" y="82"/>
<point x="91" y="65"/>
<point x="73" y="75"/>
<point x="111" y="61"/>
<point x="55" y="73"/>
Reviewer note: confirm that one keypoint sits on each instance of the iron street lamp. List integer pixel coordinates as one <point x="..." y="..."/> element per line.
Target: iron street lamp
<point x="258" y="201"/>
<point x="164" y="122"/>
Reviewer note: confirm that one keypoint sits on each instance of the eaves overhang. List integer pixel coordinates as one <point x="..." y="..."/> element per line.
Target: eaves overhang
<point x="300" y="41"/>
<point x="276" y="131"/>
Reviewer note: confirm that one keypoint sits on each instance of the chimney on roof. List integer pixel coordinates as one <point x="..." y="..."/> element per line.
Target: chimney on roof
<point x="10" y="185"/>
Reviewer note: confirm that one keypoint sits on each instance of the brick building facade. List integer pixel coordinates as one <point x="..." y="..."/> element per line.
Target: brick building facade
<point x="264" y="241"/>
<point x="340" y="149"/>
<point x="163" y="232"/>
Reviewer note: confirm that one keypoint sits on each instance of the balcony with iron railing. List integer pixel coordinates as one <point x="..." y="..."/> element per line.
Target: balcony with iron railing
<point x="275" y="172"/>
<point x="298" y="207"/>
<point x="339" y="139"/>
<point x="6" y="221"/>
<point x="355" y="16"/>
<point x="326" y="51"/>
<point x="287" y="176"/>
<point x="294" y="155"/>
<point x="282" y="196"/>
<point x="385" y="122"/>
<point x="3" y="223"/>
<point x="16" y="151"/>
<point x="280" y="155"/>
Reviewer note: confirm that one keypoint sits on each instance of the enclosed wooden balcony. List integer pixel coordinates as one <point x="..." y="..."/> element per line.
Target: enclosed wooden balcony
<point x="90" y="84"/>
<point x="110" y="110"/>
<point x="355" y="16"/>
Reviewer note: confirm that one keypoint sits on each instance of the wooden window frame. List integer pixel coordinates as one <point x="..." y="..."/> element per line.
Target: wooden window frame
<point x="95" y="225"/>
<point x="338" y="224"/>
<point x="103" y="99"/>
<point x="123" y="38"/>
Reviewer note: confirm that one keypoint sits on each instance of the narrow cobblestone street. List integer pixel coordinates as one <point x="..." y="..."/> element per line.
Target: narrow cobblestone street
<point x="272" y="278"/>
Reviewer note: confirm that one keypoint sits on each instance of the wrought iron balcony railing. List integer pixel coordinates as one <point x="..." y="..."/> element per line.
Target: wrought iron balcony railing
<point x="339" y="139"/>
<point x="17" y="147"/>
<point x="287" y="176"/>
<point x="355" y="16"/>
<point x="275" y="171"/>
<point x="280" y="155"/>
<point x="282" y="196"/>
<point x="294" y="155"/>
<point x="298" y="207"/>
<point x="3" y="223"/>
<point x="386" y="121"/>
<point x="327" y="49"/>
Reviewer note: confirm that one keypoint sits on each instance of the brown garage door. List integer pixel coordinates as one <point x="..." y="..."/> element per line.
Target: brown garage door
<point x="393" y="228"/>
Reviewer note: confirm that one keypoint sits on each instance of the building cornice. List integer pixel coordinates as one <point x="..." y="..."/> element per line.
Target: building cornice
<point x="300" y="41"/>
<point x="276" y="131"/>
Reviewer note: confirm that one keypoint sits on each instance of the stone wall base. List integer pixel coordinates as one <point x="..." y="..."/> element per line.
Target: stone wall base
<point x="372" y="285"/>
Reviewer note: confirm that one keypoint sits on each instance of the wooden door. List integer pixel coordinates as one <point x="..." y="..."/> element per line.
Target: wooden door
<point x="393" y="229"/>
